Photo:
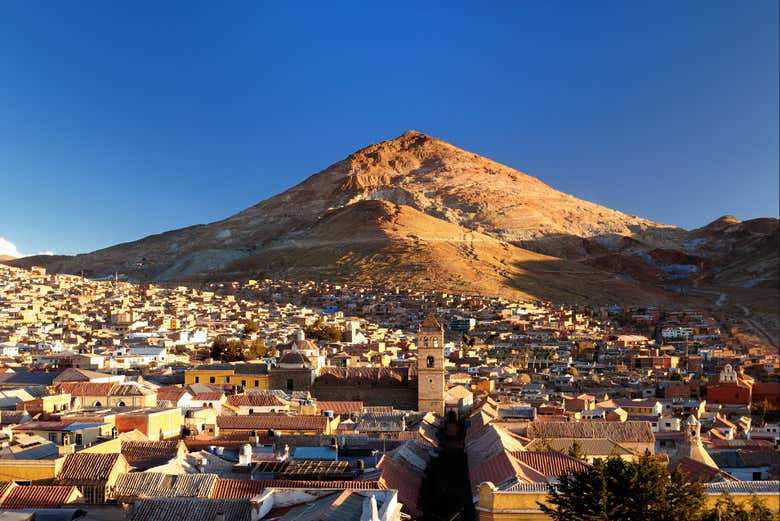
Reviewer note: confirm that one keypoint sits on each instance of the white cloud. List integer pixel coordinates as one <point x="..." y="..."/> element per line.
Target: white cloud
<point x="9" y="248"/>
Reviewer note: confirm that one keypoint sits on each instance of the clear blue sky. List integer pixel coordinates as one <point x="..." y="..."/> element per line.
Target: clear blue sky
<point x="123" y="119"/>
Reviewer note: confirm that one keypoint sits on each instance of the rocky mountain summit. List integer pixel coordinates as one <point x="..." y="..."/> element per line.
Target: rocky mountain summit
<point x="418" y="211"/>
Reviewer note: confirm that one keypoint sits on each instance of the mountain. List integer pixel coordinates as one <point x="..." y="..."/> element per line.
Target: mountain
<point x="416" y="211"/>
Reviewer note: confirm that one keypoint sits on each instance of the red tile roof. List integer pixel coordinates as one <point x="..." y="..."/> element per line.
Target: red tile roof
<point x="256" y="400"/>
<point x="396" y="475"/>
<point x="86" y="388"/>
<point x="340" y="407"/>
<point x="88" y="468"/>
<point x="246" y="489"/>
<point x="698" y="471"/>
<point x="213" y="396"/>
<point x="40" y="496"/>
<point x="170" y="393"/>
<point x="550" y="463"/>
<point x="498" y="469"/>
<point x="260" y="422"/>
<point x="147" y="454"/>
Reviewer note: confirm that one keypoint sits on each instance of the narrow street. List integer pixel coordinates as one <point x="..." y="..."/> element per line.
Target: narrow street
<point x="445" y="494"/>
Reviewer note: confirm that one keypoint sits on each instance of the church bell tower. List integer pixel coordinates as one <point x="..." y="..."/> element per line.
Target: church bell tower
<point x="430" y="366"/>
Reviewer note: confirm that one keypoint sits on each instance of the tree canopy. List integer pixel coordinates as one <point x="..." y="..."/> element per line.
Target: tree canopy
<point x="324" y="332"/>
<point x="251" y="327"/>
<point x="236" y="351"/>
<point x="618" y="490"/>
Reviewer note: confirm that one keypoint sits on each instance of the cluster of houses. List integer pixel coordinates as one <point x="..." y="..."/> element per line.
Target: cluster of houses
<point x="113" y="404"/>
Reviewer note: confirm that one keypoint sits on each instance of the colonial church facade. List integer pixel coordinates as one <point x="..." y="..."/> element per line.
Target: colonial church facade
<point x="421" y="387"/>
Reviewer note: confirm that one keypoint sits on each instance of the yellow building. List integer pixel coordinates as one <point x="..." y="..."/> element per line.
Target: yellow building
<point x="32" y="470"/>
<point x="155" y="423"/>
<point x="521" y="501"/>
<point x="240" y="374"/>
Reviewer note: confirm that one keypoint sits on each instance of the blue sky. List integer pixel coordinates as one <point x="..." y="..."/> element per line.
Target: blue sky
<point x="123" y="119"/>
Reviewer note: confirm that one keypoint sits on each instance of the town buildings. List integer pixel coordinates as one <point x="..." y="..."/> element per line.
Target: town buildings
<point x="111" y="397"/>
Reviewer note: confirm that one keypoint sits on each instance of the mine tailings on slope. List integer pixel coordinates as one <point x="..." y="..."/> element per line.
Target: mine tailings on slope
<point x="446" y="493"/>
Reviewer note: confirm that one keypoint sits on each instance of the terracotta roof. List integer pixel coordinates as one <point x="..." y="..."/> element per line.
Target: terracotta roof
<point x="499" y="469"/>
<point x="5" y="486"/>
<point x="144" y="455"/>
<point x="273" y="421"/>
<point x="40" y="496"/>
<point x="171" y="393"/>
<point x="340" y="407"/>
<point x="550" y="463"/>
<point x="628" y="431"/>
<point x="396" y="475"/>
<point x="214" y="396"/>
<point x="87" y="468"/>
<point x="295" y="357"/>
<point x="256" y="400"/>
<point x="247" y="489"/>
<point x="588" y="446"/>
<point x="86" y="388"/>
<point x="696" y="471"/>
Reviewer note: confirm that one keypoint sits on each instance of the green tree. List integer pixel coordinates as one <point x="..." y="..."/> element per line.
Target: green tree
<point x="324" y="332"/>
<point x="575" y="451"/>
<point x="236" y="351"/>
<point x="468" y="341"/>
<point x="218" y="347"/>
<point x="257" y="350"/>
<point x="250" y="326"/>
<point x="618" y="490"/>
<point x="726" y="509"/>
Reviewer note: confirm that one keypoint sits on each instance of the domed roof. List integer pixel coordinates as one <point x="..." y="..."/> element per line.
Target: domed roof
<point x="294" y="359"/>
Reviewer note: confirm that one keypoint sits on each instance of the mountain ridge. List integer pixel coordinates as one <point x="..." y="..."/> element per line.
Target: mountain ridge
<point x="378" y="199"/>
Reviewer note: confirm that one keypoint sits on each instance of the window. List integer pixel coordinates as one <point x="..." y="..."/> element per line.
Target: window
<point x="251" y="411"/>
<point x="243" y="383"/>
<point x="97" y="404"/>
<point x="757" y="476"/>
<point x="121" y="404"/>
<point x="53" y="437"/>
<point x="79" y="439"/>
<point x="430" y="362"/>
<point x="197" y="379"/>
<point x="212" y="380"/>
<point x="257" y="383"/>
<point x="227" y="379"/>
<point x="289" y="384"/>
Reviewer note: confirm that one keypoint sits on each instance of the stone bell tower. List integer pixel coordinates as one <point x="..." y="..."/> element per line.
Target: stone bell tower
<point x="430" y="366"/>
